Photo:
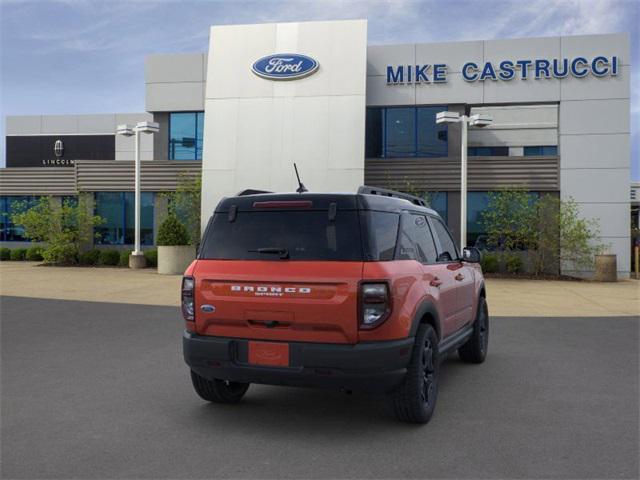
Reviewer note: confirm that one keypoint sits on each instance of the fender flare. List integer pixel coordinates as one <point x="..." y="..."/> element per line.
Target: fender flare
<point x="426" y="307"/>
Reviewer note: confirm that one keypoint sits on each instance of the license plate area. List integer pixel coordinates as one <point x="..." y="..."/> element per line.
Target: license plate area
<point x="269" y="354"/>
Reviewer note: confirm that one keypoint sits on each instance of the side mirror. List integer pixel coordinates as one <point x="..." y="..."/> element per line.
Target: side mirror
<point x="471" y="255"/>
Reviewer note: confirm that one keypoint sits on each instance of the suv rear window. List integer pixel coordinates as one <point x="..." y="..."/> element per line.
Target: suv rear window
<point x="304" y="235"/>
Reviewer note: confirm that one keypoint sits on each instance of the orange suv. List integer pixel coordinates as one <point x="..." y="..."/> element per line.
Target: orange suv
<point x="361" y="291"/>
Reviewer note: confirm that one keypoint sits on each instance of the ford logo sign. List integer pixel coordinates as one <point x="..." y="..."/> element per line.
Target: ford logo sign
<point x="285" y="66"/>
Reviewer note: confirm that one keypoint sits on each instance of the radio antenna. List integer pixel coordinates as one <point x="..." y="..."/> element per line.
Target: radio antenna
<point x="301" y="188"/>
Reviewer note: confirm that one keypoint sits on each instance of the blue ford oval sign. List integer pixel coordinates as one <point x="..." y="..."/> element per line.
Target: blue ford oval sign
<point x="285" y="66"/>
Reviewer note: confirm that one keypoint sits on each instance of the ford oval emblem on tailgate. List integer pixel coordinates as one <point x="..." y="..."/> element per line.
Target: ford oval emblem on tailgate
<point x="208" y="308"/>
<point x="284" y="66"/>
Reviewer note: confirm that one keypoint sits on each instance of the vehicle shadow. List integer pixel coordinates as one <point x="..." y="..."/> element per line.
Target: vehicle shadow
<point x="284" y="410"/>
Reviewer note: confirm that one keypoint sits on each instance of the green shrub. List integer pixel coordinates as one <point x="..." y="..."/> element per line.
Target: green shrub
<point x="124" y="258"/>
<point x="90" y="257"/>
<point x="18" y="254"/>
<point x="61" y="254"/>
<point x="513" y="263"/>
<point x="109" y="257"/>
<point x="490" y="263"/>
<point x="152" y="258"/>
<point x="5" y="254"/>
<point x="34" y="254"/>
<point x="172" y="232"/>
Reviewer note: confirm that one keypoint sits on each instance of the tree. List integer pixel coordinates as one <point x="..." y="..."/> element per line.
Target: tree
<point x="63" y="227"/>
<point x="509" y="219"/>
<point x="172" y="232"/>
<point x="184" y="203"/>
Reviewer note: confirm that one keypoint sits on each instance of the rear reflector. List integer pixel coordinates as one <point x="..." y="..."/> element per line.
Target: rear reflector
<point x="284" y="204"/>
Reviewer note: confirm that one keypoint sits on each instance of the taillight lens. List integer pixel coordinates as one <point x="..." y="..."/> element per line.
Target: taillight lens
<point x="187" y="298"/>
<point x="375" y="304"/>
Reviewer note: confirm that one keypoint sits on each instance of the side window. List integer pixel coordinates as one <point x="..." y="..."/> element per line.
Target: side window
<point x="416" y="242"/>
<point x="384" y="232"/>
<point x="447" y="251"/>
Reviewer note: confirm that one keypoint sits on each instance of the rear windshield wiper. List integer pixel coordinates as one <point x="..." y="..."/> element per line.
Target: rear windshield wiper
<point x="283" y="252"/>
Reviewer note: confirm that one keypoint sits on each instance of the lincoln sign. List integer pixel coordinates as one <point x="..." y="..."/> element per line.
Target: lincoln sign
<point x="506" y="70"/>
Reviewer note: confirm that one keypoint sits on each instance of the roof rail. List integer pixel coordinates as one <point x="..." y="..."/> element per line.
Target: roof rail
<point x="365" y="189"/>
<point x="251" y="191"/>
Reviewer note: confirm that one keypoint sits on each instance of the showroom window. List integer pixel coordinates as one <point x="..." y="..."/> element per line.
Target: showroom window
<point x="488" y="151"/>
<point x="541" y="151"/>
<point x="9" y="232"/>
<point x="405" y="132"/>
<point x="438" y="202"/>
<point x="117" y="209"/>
<point x="185" y="135"/>
<point x="477" y="203"/>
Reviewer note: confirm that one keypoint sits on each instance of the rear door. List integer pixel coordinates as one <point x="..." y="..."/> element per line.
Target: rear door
<point x="280" y="273"/>
<point x="463" y="276"/>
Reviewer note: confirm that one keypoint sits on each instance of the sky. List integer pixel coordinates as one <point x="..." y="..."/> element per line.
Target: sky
<point x="87" y="56"/>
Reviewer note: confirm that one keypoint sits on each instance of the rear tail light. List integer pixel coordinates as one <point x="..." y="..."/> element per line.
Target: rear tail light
<point x="375" y="304"/>
<point x="187" y="298"/>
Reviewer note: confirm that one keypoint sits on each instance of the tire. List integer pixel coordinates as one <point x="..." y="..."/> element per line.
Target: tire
<point x="218" y="391"/>
<point x="415" y="399"/>
<point x="475" y="349"/>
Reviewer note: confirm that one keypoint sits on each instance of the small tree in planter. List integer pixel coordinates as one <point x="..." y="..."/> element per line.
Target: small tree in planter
<point x="174" y="250"/>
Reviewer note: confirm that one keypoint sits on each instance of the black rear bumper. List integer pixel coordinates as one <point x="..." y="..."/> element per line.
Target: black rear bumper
<point x="369" y="367"/>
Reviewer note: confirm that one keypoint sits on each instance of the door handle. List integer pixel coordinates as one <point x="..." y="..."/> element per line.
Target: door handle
<point x="459" y="277"/>
<point x="436" y="282"/>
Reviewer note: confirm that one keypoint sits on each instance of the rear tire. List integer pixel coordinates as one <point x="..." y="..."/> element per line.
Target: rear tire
<point x="414" y="401"/>
<point x="475" y="349"/>
<point x="218" y="391"/>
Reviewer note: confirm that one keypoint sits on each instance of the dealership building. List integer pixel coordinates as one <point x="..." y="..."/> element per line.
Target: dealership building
<point x="314" y="93"/>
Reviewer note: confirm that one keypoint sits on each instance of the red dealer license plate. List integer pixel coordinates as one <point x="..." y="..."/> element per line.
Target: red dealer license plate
<point x="269" y="354"/>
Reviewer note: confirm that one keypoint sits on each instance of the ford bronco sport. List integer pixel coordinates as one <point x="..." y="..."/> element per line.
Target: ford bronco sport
<point x="361" y="291"/>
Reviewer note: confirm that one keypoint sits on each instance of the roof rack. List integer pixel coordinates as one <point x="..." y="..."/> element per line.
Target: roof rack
<point x="251" y="191"/>
<point x="364" y="189"/>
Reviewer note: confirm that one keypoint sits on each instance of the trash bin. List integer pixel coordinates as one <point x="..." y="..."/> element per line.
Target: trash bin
<point x="606" y="268"/>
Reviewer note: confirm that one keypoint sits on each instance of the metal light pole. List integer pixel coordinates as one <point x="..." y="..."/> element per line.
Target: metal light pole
<point x="136" y="259"/>
<point x="477" y="120"/>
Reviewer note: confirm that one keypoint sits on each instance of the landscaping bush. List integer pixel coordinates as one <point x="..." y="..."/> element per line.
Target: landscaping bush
<point x="152" y="258"/>
<point x="61" y="254"/>
<point x="5" y="254"/>
<point x="18" y="254"/>
<point x="124" y="258"/>
<point x="172" y="232"/>
<point x="90" y="257"/>
<point x="513" y="263"/>
<point x="34" y="254"/>
<point x="109" y="257"/>
<point x="490" y="263"/>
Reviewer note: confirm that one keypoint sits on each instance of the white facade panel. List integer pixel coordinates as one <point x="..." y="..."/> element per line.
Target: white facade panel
<point x="97" y="124"/>
<point x="594" y="88"/>
<point x="521" y="49"/>
<point x="611" y="218"/>
<point x="599" y="185"/>
<point x="256" y="128"/>
<point x="455" y="90"/>
<point x="176" y="68"/>
<point x="453" y="54"/>
<point x="174" y="97"/>
<point x="515" y="137"/>
<point x="594" y="117"/>
<point x="521" y="91"/>
<point x="59" y="124"/>
<point x="595" y="151"/>
<point x="23" y="125"/>
<point x="379" y="56"/>
<point x="381" y="94"/>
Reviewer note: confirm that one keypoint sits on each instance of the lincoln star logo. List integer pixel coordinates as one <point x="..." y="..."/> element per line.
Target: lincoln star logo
<point x="269" y="291"/>
<point x="285" y="66"/>
<point x="58" y="148"/>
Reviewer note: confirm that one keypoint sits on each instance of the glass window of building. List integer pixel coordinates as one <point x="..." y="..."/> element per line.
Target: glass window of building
<point x="185" y="135"/>
<point x="117" y="209"/>
<point x="541" y="151"/>
<point x="9" y="205"/>
<point x="438" y="202"/>
<point x="405" y="132"/>
<point x="488" y="151"/>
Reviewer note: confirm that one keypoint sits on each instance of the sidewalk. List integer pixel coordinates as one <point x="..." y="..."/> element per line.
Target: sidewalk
<point x="525" y="298"/>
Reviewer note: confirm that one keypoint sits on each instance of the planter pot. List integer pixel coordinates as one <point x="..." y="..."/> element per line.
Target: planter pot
<point x="606" y="268"/>
<point x="174" y="260"/>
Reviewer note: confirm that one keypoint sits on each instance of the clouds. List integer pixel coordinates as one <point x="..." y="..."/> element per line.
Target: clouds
<point x="68" y="56"/>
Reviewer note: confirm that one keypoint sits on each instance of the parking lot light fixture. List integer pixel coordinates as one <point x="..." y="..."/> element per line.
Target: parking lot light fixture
<point x="136" y="259"/>
<point x="477" y="120"/>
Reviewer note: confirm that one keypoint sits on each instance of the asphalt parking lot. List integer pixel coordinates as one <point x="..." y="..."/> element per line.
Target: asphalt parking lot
<point x="99" y="390"/>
